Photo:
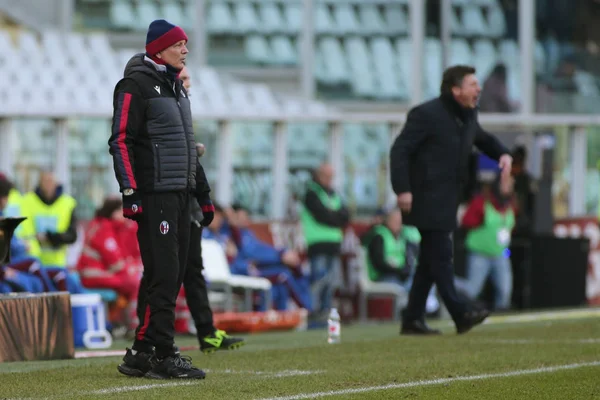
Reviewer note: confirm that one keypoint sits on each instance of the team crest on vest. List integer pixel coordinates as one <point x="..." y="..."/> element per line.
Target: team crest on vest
<point x="134" y="208"/>
<point x="164" y="227"/>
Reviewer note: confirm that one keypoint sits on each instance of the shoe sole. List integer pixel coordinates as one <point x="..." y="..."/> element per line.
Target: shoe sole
<point x="153" y="375"/>
<point x="233" y="346"/>
<point x="128" y="371"/>
<point x="475" y="323"/>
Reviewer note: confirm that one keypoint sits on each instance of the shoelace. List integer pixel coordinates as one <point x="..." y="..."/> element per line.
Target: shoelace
<point x="184" y="362"/>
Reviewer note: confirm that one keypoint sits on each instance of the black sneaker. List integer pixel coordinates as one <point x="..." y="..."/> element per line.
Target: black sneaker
<point x="136" y="363"/>
<point x="175" y="366"/>
<point x="470" y="320"/>
<point x="417" y="327"/>
<point x="219" y="340"/>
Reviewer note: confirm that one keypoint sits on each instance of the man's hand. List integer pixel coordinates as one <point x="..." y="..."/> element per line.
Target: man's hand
<point x="290" y="258"/>
<point x="132" y="206"/>
<point x="208" y="209"/>
<point x="405" y="201"/>
<point x="505" y="165"/>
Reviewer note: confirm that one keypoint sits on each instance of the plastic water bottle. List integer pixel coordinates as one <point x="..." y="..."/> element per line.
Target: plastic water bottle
<point x="334" y="328"/>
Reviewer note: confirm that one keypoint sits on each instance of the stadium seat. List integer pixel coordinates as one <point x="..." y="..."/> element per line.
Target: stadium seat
<point x="369" y="289"/>
<point x="484" y="58"/>
<point x="324" y="22"/>
<point x="473" y="22"/>
<point x="121" y="14"/>
<point x="283" y="51"/>
<point x="363" y="79"/>
<point x="219" y="18"/>
<point x="433" y="68"/>
<point x="293" y="16"/>
<point x="402" y="53"/>
<point x="496" y="22"/>
<point x="172" y="12"/>
<point x="147" y="11"/>
<point x="216" y="270"/>
<point x="460" y="52"/>
<point x="395" y="19"/>
<point x="345" y="19"/>
<point x="386" y="69"/>
<point x="246" y="19"/>
<point x="371" y="19"/>
<point x="257" y="49"/>
<point x="271" y="18"/>
<point x="334" y="60"/>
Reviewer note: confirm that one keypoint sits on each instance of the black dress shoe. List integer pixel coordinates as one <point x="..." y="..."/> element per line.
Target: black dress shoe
<point x="470" y="320"/>
<point x="418" y="327"/>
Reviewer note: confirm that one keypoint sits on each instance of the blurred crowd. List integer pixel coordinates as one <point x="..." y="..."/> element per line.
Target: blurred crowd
<point x="109" y="258"/>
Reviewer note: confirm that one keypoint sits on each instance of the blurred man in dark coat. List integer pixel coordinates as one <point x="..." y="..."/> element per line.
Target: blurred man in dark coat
<point x="429" y="168"/>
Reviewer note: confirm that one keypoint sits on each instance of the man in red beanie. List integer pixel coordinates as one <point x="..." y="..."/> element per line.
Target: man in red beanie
<point x="155" y="162"/>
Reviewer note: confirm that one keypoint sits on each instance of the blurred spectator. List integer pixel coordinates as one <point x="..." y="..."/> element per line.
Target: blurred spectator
<point x="494" y="96"/>
<point x="323" y="218"/>
<point x="563" y="79"/>
<point x="392" y="254"/>
<point x="524" y="188"/>
<point x="220" y="230"/>
<point x="490" y="219"/>
<point x="13" y="205"/>
<point x="14" y="279"/>
<point x="280" y="266"/>
<point x="109" y="259"/>
<point x="377" y="220"/>
<point x="51" y="223"/>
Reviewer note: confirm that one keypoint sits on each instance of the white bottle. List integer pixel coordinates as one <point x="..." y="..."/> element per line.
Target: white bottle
<point x="334" y="328"/>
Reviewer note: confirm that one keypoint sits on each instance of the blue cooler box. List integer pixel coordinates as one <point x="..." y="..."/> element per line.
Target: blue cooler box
<point x="89" y="321"/>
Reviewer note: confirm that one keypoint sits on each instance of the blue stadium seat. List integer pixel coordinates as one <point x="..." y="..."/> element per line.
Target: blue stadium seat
<point x="386" y="69"/>
<point x="246" y="19"/>
<point x="219" y="18"/>
<point x="396" y="19"/>
<point x="496" y="22"/>
<point x="324" y="22"/>
<point x="346" y="20"/>
<point x="257" y="49"/>
<point x="460" y="52"/>
<point x="283" y="50"/>
<point x="363" y="79"/>
<point x="121" y="14"/>
<point x="371" y="19"/>
<point x="334" y="60"/>
<point x="172" y="12"/>
<point x="147" y="11"/>
<point x="485" y="58"/>
<point x="473" y="21"/>
<point x="272" y="20"/>
<point x="293" y="16"/>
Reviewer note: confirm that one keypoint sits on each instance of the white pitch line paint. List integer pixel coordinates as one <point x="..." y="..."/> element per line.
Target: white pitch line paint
<point x="125" y="389"/>
<point x="432" y="382"/>
<point x="540" y="341"/>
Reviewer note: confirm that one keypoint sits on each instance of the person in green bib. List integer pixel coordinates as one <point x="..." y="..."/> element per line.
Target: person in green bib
<point x="392" y="254"/>
<point x="50" y="225"/>
<point x="323" y="218"/>
<point x="490" y="219"/>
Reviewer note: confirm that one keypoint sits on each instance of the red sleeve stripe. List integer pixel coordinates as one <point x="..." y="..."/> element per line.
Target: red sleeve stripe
<point x="128" y="178"/>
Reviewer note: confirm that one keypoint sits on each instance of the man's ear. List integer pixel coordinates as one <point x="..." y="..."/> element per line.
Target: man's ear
<point x="159" y="55"/>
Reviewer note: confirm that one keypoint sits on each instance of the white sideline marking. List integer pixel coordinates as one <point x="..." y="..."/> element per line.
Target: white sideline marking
<point x="431" y="382"/>
<point x="125" y="389"/>
<point x="540" y="341"/>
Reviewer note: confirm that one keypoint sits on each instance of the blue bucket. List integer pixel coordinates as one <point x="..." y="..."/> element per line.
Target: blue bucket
<point x="89" y="322"/>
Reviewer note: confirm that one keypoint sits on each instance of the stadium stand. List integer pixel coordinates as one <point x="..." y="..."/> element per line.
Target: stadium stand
<point x="348" y="32"/>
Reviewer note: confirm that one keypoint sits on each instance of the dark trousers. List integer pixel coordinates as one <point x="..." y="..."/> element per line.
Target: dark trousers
<point x="435" y="266"/>
<point x="196" y="292"/>
<point x="163" y="236"/>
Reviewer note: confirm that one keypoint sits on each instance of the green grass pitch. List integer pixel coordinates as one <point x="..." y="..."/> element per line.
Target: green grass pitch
<point x="555" y="357"/>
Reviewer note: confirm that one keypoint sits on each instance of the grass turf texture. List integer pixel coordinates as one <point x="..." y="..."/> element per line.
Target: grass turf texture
<point x="292" y="363"/>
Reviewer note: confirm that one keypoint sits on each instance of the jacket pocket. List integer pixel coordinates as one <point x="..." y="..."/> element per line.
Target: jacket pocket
<point x="157" y="161"/>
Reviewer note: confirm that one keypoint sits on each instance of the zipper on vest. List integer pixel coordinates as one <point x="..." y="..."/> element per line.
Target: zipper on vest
<point x="157" y="156"/>
<point x="187" y="142"/>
